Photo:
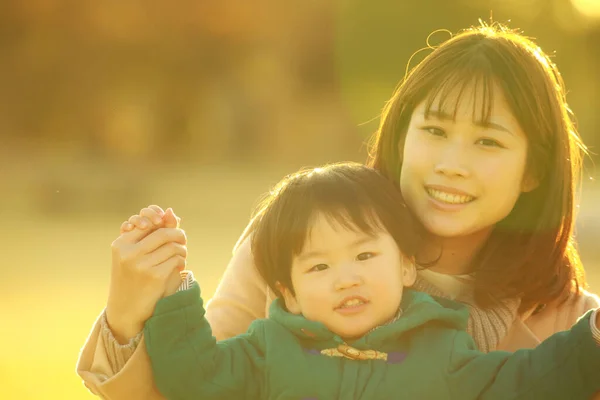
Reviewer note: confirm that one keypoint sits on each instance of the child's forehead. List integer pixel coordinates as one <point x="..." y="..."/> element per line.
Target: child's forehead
<point x="324" y="226"/>
<point x="339" y="223"/>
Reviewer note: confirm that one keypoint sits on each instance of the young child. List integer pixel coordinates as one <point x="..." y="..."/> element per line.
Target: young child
<point x="338" y="249"/>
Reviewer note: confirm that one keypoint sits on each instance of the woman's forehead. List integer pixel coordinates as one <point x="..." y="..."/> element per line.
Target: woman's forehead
<point x="472" y="99"/>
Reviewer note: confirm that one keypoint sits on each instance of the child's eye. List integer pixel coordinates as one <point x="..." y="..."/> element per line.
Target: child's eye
<point x="318" y="267"/>
<point x="365" y="256"/>
<point x="435" y="131"/>
<point x="489" y="143"/>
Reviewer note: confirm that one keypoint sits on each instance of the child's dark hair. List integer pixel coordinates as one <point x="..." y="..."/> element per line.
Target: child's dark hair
<point x="350" y="194"/>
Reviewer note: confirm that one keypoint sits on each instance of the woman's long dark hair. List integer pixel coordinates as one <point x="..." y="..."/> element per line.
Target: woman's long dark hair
<point x="531" y="253"/>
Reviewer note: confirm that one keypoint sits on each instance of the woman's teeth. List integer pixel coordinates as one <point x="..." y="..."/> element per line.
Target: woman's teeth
<point x="449" y="198"/>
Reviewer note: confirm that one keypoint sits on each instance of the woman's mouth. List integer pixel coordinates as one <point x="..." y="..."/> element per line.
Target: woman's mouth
<point x="449" y="198"/>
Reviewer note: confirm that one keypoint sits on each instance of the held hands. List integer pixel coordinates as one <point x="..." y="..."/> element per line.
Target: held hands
<point x="146" y="261"/>
<point x="151" y="217"/>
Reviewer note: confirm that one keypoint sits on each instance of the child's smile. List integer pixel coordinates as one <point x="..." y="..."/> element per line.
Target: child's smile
<point x="350" y="281"/>
<point x="352" y="305"/>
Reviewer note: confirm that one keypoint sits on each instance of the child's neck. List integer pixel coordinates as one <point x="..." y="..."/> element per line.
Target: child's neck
<point x="455" y="254"/>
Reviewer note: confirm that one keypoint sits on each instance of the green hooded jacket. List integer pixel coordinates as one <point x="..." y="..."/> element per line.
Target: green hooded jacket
<point x="425" y="354"/>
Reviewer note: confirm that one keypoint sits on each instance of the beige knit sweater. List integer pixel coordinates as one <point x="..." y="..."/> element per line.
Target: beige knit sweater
<point x="119" y="372"/>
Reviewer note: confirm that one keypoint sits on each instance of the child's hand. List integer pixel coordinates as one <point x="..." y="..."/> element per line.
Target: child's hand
<point x="151" y="217"/>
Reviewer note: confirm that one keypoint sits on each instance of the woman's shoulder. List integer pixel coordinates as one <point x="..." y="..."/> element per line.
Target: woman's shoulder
<point x="561" y="314"/>
<point x="591" y="300"/>
<point x="577" y="303"/>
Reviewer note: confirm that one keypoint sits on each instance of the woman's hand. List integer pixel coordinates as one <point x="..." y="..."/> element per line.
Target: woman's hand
<point x="145" y="268"/>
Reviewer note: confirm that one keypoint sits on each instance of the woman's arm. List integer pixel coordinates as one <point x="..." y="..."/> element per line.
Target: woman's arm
<point x="241" y="296"/>
<point x="116" y="371"/>
<point x="121" y="372"/>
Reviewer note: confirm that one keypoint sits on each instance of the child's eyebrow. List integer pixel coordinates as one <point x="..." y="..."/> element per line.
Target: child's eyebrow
<point x="316" y="253"/>
<point x="361" y="241"/>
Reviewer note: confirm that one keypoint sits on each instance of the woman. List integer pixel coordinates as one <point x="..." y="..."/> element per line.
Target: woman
<point x="479" y="138"/>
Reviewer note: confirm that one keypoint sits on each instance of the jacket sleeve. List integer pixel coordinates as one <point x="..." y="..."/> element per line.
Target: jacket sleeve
<point x="241" y="296"/>
<point x="188" y="363"/>
<point x="116" y="372"/>
<point x="565" y="366"/>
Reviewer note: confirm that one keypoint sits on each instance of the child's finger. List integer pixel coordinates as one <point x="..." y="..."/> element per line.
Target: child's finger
<point x="158" y="210"/>
<point x="140" y="222"/>
<point x="172" y="219"/>
<point x="126" y="227"/>
<point x="153" y="214"/>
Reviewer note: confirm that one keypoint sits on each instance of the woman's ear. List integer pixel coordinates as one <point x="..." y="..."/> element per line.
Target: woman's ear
<point x="409" y="272"/>
<point x="289" y="299"/>
<point x="530" y="182"/>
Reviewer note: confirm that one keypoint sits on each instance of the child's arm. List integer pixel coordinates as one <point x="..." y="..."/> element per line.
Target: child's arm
<point x="188" y="363"/>
<point x="565" y="366"/>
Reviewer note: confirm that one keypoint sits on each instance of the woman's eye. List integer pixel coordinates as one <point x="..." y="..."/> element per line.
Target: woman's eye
<point x="489" y="142"/>
<point x="435" y="131"/>
<point x="318" y="267"/>
<point x="365" y="256"/>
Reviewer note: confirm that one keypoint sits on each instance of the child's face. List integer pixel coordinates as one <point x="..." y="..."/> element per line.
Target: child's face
<point x="461" y="177"/>
<point x="349" y="281"/>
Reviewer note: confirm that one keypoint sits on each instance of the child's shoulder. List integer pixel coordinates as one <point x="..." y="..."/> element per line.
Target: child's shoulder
<point x="423" y="308"/>
<point x="413" y="297"/>
<point x="267" y="326"/>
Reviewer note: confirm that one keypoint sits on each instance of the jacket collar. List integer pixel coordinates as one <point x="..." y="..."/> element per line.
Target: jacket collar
<point x="418" y="309"/>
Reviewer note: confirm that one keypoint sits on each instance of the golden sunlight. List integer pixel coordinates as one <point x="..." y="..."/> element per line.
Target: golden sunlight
<point x="589" y="8"/>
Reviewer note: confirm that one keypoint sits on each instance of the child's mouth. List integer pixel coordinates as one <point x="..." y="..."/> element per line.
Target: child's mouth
<point x="352" y="305"/>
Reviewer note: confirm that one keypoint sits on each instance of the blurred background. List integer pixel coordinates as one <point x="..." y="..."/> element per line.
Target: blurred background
<point x="106" y="107"/>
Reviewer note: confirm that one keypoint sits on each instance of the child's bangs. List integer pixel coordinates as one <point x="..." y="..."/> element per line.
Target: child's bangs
<point x="357" y="219"/>
<point x="344" y="206"/>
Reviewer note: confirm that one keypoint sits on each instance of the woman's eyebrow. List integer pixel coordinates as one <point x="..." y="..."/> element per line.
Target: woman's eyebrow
<point x="443" y="116"/>
<point x="493" y="125"/>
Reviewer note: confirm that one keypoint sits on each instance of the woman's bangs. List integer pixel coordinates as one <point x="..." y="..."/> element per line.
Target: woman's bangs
<point x="447" y="94"/>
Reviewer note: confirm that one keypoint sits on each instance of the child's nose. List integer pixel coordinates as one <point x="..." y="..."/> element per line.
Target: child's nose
<point x="347" y="278"/>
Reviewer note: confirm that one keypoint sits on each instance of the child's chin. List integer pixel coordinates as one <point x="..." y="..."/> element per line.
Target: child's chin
<point x="351" y="336"/>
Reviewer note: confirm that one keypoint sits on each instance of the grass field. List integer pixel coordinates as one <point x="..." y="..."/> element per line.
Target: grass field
<point x="54" y="281"/>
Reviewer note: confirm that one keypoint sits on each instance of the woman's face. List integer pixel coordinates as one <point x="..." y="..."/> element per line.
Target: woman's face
<point x="461" y="176"/>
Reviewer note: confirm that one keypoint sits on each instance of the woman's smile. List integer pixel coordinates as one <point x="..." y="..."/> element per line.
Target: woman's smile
<point x="449" y="196"/>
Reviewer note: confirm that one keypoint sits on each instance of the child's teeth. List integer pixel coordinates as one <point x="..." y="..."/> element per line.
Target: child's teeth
<point x="449" y="197"/>
<point x="353" y="302"/>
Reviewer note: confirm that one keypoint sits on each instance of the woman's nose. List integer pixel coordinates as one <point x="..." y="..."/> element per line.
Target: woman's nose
<point x="453" y="161"/>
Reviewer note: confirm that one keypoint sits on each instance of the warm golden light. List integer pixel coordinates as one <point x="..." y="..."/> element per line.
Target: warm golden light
<point x="589" y="8"/>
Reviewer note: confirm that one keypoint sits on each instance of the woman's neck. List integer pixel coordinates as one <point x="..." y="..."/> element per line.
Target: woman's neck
<point x="455" y="254"/>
